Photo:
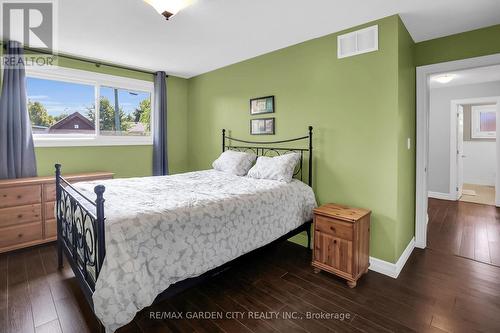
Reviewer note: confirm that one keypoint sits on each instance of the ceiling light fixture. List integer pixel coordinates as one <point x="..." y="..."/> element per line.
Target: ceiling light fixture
<point x="445" y="78"/>
<point x="168" y="8"/>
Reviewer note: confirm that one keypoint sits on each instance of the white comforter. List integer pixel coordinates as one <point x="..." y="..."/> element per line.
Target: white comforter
<point x="160" y="230"/>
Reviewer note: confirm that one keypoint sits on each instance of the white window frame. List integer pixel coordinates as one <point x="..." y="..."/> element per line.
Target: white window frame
<point x="476" y="111"/>
<point x="96" y="80"/>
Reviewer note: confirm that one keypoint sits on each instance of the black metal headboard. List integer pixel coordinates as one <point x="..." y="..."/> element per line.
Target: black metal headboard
<point x="262" y="148"/>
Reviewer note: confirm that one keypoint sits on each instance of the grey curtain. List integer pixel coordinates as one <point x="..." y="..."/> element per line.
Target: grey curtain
<point x="17" y="153"/>
<point x="160" y="160"/>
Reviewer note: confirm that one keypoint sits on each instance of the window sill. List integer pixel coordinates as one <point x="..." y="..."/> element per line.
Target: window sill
<point x="92" y="141"/>
<point x="485" y="135"/>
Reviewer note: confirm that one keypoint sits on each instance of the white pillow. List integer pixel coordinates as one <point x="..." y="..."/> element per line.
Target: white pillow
<point x="235" y="162"/>
<point x="275" y="168"/>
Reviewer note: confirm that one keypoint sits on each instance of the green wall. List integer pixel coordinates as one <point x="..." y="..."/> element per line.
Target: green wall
<point x="460" y="46"/>
<point x="362" y="109"/>
<point x="124" y="161"/>
<point x="406" y="157"/>
<point x="360" y="126"/>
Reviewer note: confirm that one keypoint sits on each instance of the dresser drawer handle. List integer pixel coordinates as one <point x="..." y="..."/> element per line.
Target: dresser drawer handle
<point x="19" y="196"/>
<point x="334" y="241"/>
<point x="19" y="216"/>
<point x="332" y="228"/>
<point x="20" y="235"/>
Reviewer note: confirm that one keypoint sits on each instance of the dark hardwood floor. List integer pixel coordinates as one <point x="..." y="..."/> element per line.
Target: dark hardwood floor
<point x="465" y="229"/>
<point x="436" y="292"/>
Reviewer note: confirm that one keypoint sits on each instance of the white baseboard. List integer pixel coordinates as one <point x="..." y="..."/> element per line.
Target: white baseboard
<point x="442" y="196"/>
<point x="390" y="269"/>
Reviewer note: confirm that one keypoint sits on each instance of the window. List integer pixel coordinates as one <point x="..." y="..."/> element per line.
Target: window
<point x="77" y="108"/>
<point x="124" y="112"/>
<point x="483" y="121"/>
<point x="57" y="107"/>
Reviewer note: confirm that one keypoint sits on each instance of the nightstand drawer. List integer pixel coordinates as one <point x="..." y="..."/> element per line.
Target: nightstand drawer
<point x="333" y="227"/>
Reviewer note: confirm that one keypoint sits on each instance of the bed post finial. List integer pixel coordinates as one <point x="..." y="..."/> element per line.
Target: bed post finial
<point x="58" y="217"/>
<point x="223" y="139"/>
<point x="309" y="180"/>
<point x="101" y="245"/>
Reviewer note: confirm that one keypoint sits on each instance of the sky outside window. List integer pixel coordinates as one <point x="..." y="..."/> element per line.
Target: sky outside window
<point x="60" y="97"/>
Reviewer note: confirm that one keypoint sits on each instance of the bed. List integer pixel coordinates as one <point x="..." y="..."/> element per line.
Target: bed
<point x="157" y="236"/>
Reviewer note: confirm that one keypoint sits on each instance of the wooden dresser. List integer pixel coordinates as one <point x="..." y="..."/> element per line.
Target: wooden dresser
<point x="27" y="209"/>
<point x="341" y="241"/>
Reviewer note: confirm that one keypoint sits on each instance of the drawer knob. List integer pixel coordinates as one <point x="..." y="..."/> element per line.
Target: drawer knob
<point x="20" y="235"/>
<point x="19" y="196"/>
<point x="19" y="216"/>
<point x="334" y="241"/>
<point x="332" y="228"/>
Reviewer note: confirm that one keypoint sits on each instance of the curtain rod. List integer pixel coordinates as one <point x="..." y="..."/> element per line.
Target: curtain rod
<point x="96" y="62"/>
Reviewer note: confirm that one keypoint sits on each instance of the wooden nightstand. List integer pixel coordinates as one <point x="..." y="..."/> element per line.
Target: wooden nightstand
<point x="341" y="241"/>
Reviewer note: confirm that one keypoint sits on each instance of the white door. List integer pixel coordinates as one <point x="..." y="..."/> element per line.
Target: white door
<point x="460" y="150"/>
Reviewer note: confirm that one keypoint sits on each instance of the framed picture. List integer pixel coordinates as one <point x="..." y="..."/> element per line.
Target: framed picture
<point x="262" y="126"/>
<point x="262" y="105"/>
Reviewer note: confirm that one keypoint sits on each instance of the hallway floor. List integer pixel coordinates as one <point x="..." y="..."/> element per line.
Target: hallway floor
<point x="465" y="229"/>
<point x="482" y="194"/>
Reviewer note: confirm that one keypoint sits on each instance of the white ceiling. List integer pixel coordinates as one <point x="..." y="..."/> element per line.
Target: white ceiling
<point x="214" y="33"/>
<point x="469" y="76"/>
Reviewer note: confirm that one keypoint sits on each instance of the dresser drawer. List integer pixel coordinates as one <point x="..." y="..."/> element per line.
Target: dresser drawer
<point x="20" y="195"/>
<point x="19" y="215"/>
<point x="15" y="235"/>
<point x="333" y="227"/>
<point x="50" y="229"/>
<point x="49" y="211"/>
<point x="49" y="192"/>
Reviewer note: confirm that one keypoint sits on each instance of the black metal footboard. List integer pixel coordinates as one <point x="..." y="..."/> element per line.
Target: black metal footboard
<point x="80" y="232"/>
<point x="81" y="229"/>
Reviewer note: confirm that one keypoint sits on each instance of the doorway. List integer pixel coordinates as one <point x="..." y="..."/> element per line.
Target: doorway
<point x="463" y="163"/>
<point x="424" y="74"/>
<point x="473" y="160"/>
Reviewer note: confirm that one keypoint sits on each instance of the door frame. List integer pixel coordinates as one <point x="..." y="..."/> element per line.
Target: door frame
<point x="422" y="133"/>
<point x="454" y="170"/>
<point x="453" y="142"/>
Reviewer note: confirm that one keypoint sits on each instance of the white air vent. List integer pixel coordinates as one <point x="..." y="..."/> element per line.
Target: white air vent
<point x="357" y="42"/>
